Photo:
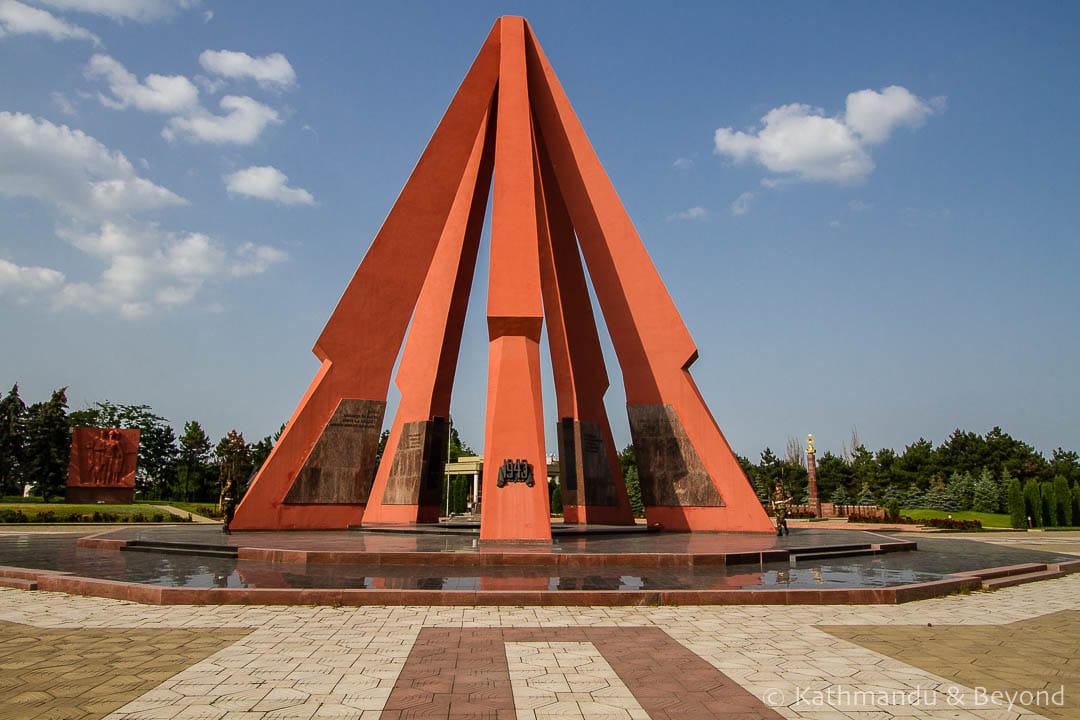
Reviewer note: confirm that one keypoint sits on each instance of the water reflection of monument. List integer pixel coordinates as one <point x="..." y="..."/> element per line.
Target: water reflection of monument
<point x="102" y="465"/>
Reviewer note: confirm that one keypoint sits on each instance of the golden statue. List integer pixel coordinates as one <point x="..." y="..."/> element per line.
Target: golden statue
<point x="809" y="444"/>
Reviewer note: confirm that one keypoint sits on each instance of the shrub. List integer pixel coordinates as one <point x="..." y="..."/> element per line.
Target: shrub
<point x="893" y="520"/>
<point x="953" y="524"/>
<point x="892" y="508"/>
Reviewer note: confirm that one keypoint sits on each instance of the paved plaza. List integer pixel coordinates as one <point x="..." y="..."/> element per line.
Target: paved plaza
<point x="962" y="656"/>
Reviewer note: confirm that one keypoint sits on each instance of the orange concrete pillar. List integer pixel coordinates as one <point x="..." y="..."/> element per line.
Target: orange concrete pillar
<point x="593" y="490"/>
<point x="690" y="477"/>
<point x="408" y="484"/>
<point x="320" y="472"/>
<point x="515" y="505"/>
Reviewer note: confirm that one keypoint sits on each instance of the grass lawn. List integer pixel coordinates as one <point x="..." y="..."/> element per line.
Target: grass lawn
<point x="206" y="509"/>
<point x="994" y="520"/>
<point x="62" y="511"/>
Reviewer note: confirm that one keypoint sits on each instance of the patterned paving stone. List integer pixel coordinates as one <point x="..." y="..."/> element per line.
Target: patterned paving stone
<point x="1036" y="660"/>
<point x="731" y="663"/>
<point x="88" y="673"/>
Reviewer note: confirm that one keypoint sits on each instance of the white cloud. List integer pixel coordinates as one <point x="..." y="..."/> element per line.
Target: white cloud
<point x="22" y="282"/>
<point x="17" y="18"/>
<point x="157" y="93"/>
<point x="118" y="10"/>
<point x="694" y="213"/>
<point x="147" y="269"/>
<point x="243" y="122"/>
<point x="255" y="259"/>
<point x="800" y="142"/>
<point x="683" y="163"/>
<point x="875" y="115"/>
<point x="266" y="183"/>
<point x="271" y="71"/>
<point x="72" y="171"/>
<point x="741" y="206"/>
<point x="207" y="16"/>
<point x="63" y="104"/>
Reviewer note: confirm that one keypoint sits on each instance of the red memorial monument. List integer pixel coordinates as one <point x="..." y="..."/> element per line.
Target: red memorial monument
<point x="102" y="465"/>
<point x="509" y="130"/>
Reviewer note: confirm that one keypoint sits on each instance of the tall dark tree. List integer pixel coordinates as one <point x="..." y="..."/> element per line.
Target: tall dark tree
<point x="48" y="446"/>
<point x="12" y="442"/>
<point x="1062" y="502"/>
<point x="234" y="463"/>
<point x="1033" y="502"/>
<point x="628" y="462"/>
<point x="1017" y="509"/>
<point x="260" y="451"/>
<point x="918" y="464"/>
<point x="833" y="474"/>
<point x="193" y="463"/>
<point x="1065" y="463"/>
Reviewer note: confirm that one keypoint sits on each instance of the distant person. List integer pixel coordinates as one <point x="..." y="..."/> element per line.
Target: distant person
<point x="780" y="501"/>
<point x="228" y="506"/>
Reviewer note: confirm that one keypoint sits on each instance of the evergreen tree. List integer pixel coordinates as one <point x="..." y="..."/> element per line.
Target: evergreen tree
<point x="556" y="498"/>
<point x="1033" y="502"/>
<point x="233" y="464"/>
<point x="985" y="493"/>
<point x="1062" y="502"/>
<point x="12" y="442"/>
<point x="840" y="497"/>
<point x="914" y="497"/>
<point x="193" y="464"/>
<point x="939" y="498"/>
<point x="1049" y="504"/>
<point x="1017" y="508"/>
<point x="866" y="496"/>
<point x="260" y="451"/>
<point x="48" y="446"/>
<point x="633" y="490"/>
<point x="1076" y="503"/>
<point x="961" y="490"/>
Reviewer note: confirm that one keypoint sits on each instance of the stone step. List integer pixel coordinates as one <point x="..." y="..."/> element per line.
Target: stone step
<point x="1010" y="580"/>
<point x="18" y="583"/>
<point x="224" y="551"/>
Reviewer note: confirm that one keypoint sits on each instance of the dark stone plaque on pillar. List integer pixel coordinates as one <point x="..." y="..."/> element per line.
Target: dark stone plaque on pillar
<point x="670" y="470"/>
<point x="419" y="463"/>
<point x="583" y="464"/>
<point x="340" y="468"/>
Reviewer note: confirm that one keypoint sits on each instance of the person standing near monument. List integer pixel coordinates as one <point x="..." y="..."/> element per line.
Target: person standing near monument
<point x="780" y="500"/>
<point x="228" y="506"/>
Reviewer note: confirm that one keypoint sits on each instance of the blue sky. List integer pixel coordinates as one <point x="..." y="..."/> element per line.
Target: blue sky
<point x="866" y="213"/>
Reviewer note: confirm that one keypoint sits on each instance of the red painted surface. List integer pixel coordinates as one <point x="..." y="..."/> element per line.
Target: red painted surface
<point x="509" y="124"/>
<point x="360" y="344"/>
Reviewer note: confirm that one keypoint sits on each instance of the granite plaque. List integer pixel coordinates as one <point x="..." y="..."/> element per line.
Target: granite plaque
<point x="340" y="469"/>
<point x="670" y="470"/>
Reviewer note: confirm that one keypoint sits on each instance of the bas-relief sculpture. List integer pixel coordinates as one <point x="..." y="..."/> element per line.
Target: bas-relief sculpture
<point x="509" y="130"/>
<point x="102" y="464"/>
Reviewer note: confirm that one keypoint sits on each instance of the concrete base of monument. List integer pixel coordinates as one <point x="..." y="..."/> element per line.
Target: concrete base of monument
<point x="200" y="565"/>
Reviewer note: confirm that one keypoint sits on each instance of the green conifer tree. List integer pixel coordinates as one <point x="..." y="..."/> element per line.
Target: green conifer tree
<point x="1017" y="508"/>
<point x="1063" y="501"/>
<point x="48" y="446"/>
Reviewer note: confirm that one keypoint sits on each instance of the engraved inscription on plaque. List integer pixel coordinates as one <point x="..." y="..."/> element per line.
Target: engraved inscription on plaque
<point x="583" y="464"/>
<point x="670" y="470"/>
<point x="419" y="463"/>
<point x="340" y="468"/>
<point x="516" y="471"/>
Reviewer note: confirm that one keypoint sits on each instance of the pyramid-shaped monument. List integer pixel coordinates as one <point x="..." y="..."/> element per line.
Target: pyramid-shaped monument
<point x="509" y="132"/>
